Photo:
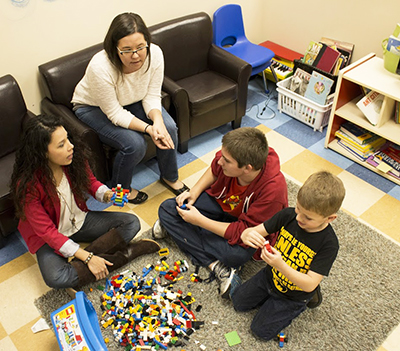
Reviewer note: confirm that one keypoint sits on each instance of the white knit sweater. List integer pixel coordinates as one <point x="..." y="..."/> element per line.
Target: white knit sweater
<point x="103" y="86"/>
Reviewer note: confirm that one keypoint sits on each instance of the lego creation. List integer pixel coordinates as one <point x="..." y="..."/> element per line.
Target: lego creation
<point x="120" y="197"/>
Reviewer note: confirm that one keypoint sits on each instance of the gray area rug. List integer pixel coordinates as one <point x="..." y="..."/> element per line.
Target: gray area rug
<point x="361" y="298"/>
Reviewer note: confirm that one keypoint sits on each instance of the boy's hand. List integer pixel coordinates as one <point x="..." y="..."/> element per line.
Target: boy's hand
<point x="184" y="198"/>
<point x="190" y="215"/>
<point x="252" y="238"/>
<point x="274" y="259"/>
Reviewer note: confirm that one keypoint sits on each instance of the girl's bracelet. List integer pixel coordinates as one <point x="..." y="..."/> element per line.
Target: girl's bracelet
<point x="145" y="129"/>
<point x="88" y="258"/>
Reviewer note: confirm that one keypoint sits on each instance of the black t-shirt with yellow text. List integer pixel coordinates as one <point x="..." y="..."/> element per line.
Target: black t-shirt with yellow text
<point x="302" y="250"/>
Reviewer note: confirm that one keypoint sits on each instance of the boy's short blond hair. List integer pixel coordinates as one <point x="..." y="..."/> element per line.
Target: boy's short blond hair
<point x="248" y="146"/>
<point x="322" y="193"/>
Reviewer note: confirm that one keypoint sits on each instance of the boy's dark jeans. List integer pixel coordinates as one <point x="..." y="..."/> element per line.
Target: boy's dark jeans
<point x="203" y="246"/>
<point x="275" y="312"/>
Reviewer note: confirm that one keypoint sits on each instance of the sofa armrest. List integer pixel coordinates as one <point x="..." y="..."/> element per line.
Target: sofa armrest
<point x="229" y="65"/>
<point x="233" y="67"/>
<point x="180" y="108"/>
<point x="85" y="133"/>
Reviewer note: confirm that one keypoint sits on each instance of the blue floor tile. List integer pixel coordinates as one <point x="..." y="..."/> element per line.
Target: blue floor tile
<point x="94" y="205"/>
<point x="204" y="143"/>
<point x="14" y="247"/>
<point x="395" y="192"/>
<point x="300" y="133"/>
<point x="145" y="174"/>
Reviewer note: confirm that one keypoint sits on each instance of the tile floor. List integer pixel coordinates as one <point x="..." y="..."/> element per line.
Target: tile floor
<point x="371" y="198"/>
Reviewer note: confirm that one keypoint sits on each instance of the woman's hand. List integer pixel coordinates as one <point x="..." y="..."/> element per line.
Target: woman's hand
<point x="98" y="266"/>
<point x="160" y="135"/>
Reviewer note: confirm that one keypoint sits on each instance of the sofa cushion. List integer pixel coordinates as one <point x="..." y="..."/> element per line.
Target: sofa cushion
<point x="208" y="91"/>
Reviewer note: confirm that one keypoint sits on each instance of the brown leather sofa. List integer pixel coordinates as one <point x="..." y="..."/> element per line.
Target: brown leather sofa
<point x="208" y="86"/>
<point x="13" y="113"/>
<point x="58" y="79"/>
<point x="204" y="86"/>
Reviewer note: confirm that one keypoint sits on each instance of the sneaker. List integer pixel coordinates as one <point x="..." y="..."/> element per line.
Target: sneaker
<point x="316" y="300"/>
<point x="158" y="231"/>
<point x="224" y="275"/>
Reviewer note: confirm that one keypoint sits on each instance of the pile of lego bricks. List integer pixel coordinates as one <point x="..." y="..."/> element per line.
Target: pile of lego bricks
<point x="147" y="314"/>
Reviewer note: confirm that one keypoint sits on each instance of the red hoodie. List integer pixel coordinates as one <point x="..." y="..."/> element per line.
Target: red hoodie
<point x="265" y="196"/>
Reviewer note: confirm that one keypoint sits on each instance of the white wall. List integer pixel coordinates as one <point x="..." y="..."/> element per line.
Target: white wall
<point x="37" y="31"/>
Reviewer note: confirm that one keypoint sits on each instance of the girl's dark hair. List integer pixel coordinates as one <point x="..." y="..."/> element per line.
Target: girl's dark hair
<point x="124" y="24"/>
<point x="31" y="163"/>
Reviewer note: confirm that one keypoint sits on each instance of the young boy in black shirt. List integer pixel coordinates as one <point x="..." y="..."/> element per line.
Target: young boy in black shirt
<point x="304" y="252"/>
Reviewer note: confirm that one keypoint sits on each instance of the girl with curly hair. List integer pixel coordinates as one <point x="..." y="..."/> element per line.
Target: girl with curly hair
<point x="50" y="184"/>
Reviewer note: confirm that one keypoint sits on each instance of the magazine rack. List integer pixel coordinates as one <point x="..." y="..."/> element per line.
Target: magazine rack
<point x="367" y="73"/>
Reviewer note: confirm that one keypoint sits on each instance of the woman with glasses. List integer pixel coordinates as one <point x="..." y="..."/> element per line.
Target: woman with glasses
<point x="120" y="97"/>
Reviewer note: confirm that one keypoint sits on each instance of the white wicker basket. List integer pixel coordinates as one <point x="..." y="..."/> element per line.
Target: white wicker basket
<point x="304" y="110"/>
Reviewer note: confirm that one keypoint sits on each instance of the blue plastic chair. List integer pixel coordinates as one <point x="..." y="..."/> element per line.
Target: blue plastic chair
<point x="228" y="33"/>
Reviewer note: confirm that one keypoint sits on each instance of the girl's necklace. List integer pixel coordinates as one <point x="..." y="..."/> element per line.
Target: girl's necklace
<point x="72" y="215"/>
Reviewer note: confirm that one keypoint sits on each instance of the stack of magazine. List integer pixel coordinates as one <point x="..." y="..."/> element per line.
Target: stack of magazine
<point x="387" y="159"/>
<point x="360" y="142"/>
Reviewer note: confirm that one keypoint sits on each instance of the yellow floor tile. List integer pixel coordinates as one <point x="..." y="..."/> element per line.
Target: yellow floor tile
<point x="3" y="333"/>
<point x="306" y="163"/>
<point x="16" y="266"/>
<point x="382" y="215"/>
<point x="263" y="128"/>
<point x="20" y="291"/>
<point x="284" y="147"/>
<point x="191" y="168"/>
<point x="43" y="341"/>
<point x="148" y="211"/>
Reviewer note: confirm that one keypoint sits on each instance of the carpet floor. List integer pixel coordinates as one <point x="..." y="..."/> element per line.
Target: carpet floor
<point x="360" y="297"/>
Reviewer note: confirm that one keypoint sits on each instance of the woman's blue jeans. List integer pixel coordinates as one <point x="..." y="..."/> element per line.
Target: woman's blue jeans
<point x="131" y="145"/>
<point x="57" y="272"/>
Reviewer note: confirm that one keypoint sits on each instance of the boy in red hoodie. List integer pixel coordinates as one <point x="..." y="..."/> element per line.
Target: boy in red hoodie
<point x="242" y="188"/>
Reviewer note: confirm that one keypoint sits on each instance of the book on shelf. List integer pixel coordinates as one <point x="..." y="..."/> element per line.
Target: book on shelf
<point x="381" y="166"/>
<point x="390" y="155"/>
<point x="312" y="52"/>
<point x="371" y="105"/>
<point x="299" y="81"/>
<point x="346" y="49"/>
<point x="326" y="58"/>
<point x="362" y="156"/>
<point x="397" y="112"/>
<point x="358" y="134"/>
<point x="371" y="146"/>
<point x="318" y="88"/>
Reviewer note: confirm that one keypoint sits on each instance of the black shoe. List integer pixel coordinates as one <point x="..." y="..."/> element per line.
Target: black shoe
<point x="140" y="198"/>
<point x="175" y="191"/>
<point x="316" y="300"/>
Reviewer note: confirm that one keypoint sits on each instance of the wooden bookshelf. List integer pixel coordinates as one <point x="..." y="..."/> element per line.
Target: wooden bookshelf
<point x="367" y="72"/>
